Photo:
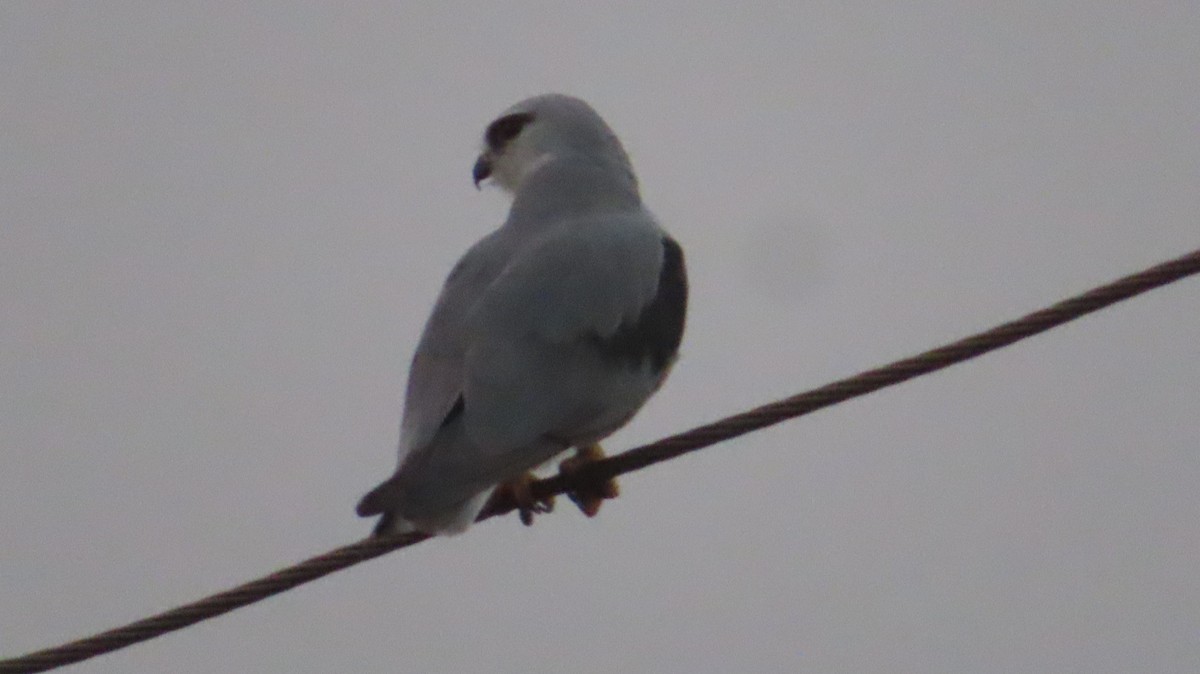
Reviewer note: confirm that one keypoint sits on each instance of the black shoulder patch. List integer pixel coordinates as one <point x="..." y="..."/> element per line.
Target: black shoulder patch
<point x="658" y="330"/>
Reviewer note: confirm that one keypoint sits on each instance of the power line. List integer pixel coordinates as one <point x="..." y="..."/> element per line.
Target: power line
<point x="632" y="460"/>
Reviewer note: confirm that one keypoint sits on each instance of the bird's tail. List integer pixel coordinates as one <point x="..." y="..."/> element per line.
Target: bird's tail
<point x="378" y="499"/>
<point x="382" y="500"/>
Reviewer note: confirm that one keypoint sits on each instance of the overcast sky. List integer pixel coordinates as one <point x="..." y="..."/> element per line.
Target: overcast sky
<point x="222" y="226"/>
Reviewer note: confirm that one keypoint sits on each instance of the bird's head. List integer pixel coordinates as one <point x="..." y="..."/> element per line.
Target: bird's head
<point x="539" y="130"/>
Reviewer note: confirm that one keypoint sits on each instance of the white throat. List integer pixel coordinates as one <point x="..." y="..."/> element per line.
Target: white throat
<point x="510" y="172"/>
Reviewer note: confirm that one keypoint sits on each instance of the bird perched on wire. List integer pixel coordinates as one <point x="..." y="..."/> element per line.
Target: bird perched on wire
<point x="549" y="334"/>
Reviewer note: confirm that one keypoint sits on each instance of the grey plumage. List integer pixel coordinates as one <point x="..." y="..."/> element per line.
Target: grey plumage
<point x="550" y="332"/>
<point x="655" y="335"/>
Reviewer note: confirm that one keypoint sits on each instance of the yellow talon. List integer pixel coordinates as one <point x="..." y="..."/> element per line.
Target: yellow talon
<point x="588" y="496"/>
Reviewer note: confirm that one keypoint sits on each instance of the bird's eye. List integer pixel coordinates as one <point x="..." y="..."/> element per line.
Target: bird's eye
<point x="501" y="131"/>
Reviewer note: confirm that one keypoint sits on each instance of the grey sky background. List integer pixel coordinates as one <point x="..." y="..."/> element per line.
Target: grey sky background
<point x="222" y="226"/>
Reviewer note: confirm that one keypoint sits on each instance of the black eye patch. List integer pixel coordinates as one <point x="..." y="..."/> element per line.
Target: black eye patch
<point x="501" y="131"/>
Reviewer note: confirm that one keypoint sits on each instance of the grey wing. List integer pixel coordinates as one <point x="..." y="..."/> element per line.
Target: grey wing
<point x="435" y="380"/>
<point x="564" y="341"/>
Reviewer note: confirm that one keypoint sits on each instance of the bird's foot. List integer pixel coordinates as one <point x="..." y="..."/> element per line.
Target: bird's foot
<point x="588" y="494"/>
<point x="519" y="491"/>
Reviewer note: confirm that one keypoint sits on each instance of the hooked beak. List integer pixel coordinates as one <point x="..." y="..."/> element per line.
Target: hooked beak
<point x="482" y="169"/>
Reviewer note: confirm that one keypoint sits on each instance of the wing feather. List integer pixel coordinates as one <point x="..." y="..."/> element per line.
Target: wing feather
<point x="535" y="369"/>
<point x="435" y="379"/>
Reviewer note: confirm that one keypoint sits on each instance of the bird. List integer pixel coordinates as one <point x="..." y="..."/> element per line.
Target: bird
<point x="549" y="334"/>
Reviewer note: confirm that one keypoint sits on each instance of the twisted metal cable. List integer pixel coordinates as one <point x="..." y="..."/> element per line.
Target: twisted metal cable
<point x="632" y="460"/>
